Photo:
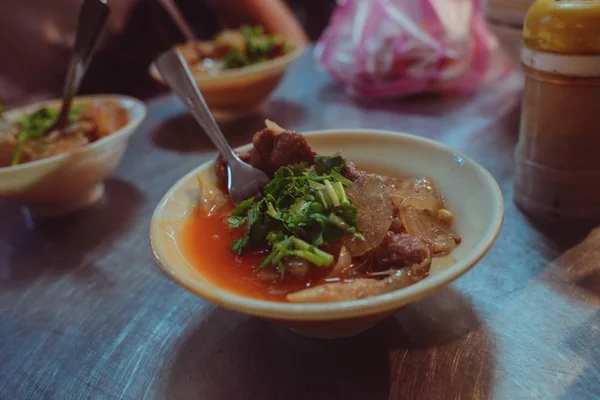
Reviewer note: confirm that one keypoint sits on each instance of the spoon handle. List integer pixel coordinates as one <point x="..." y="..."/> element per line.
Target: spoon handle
<point x="177" y="75"/>
<point x="177" y="17"/>
<point x="91" y="27"/>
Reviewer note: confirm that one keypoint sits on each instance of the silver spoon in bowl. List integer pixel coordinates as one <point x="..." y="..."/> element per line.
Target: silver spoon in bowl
<point x="91" y="26"/>
<point x="243" y="180"/>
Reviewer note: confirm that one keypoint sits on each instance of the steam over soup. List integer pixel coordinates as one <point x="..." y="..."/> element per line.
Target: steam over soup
<point x="323" y="230"/>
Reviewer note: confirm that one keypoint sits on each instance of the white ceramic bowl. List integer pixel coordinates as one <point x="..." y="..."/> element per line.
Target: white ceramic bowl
<point x="67" y="182"/>
<point x="251" y="85"/>
<point x="469" y="190"/>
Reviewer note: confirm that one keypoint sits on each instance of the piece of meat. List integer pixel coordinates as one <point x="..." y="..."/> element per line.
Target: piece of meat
<point x="82" y="126"/>
<point x="59" y="144"/>
<point x="191" y="51"/>
<point x="231" y="39"/>
<point x="107" y="116"/>
<point x="354" y="289"/>
<point x="270" y="152"/>
<point x="398" y="250"/>
<point x="352" y="172"/>
<point x="264" y="142"/>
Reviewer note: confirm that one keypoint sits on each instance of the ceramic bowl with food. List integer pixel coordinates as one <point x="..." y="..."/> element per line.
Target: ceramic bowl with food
<point x="338" y="242"/>
<point x="240" y="89"/>
<point x="62" y="171"/>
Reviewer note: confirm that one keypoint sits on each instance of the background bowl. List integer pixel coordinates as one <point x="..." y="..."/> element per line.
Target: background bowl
<point x="239" y="92"/>
<point x="64" y="183"/>
<point x="469" y="190"/>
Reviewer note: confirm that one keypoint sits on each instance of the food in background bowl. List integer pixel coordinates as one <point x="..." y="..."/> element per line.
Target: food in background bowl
<point x="232" y="49"/>
<point x="64" y="171"/>
<point x="323" y="230"/>
<point x="238" y="71"/>
<point x="26" y="139"/>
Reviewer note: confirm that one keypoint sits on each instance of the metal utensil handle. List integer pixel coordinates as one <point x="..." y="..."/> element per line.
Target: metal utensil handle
<point x="177" y="75"/>
<point x="91" y="27"/>
<point x="177" y="17"/>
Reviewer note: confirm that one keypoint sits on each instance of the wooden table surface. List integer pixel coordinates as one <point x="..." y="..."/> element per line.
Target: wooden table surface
<point x="86" y="313"/>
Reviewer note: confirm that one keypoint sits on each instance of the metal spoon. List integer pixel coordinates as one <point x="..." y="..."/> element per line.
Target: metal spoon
<point x="243" y="179"/>
<point x="91" y="26"/>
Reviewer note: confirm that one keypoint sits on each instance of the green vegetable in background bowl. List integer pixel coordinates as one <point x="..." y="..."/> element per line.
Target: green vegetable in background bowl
<point x="233" y="49"/>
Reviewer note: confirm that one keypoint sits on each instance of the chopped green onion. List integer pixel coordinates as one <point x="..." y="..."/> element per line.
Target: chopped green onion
<point x="323" y="198"/>
<point x="339" y="189"/>
<point x="332" y="194"/>
<point x="341" y="178"/>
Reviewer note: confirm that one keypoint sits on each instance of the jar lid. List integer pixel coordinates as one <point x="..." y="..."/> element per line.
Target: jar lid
<point x="563" y="26"/>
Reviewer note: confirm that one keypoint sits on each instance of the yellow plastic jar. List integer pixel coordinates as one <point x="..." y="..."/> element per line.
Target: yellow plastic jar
<point x="558" y="153"/>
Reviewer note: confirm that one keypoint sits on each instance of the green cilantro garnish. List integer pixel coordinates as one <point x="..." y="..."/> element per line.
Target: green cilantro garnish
<point x="33" y="126"/>
<point x="260" y="47"/>
<point x="303" y="208"/>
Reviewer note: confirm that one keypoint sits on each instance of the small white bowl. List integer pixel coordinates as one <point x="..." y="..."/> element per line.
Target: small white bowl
<point x="67" y="182"/>
<point x="469" y="190"/>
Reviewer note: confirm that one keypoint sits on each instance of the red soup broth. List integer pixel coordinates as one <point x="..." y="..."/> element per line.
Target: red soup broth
<point x="206" y="244"/>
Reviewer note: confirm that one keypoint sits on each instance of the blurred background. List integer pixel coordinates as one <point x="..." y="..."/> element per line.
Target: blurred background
<point x="38" y="34"/>
<point x="36" y="38"/>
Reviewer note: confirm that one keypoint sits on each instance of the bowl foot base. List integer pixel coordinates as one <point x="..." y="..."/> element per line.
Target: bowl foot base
<point x="333" y="335"/>
<point x="334" y="329"/>
<point x="49" y="210"/>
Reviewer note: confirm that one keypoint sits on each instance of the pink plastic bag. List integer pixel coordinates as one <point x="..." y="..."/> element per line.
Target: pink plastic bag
<point x="392" y="48"/>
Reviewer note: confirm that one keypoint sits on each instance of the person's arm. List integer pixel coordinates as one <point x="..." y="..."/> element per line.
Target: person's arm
<point x="273" y="15"/>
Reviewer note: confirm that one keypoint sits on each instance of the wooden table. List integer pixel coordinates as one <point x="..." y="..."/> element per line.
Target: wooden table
<point x="86" y="313"/>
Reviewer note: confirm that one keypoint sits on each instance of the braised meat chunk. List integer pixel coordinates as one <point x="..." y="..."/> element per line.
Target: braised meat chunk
<point x="398" y="250"/>
<point x="271" y="151"/>
<point x="352" y="172"/>
<point x="274" y="150"/>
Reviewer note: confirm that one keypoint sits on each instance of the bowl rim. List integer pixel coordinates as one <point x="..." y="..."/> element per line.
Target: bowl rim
<point x="129" y="128"/>
<point x="386" y="302"/>
<point x="243" y="71"/>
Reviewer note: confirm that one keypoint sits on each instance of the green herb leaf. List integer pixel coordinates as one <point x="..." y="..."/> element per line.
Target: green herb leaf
<point x="260" y="47"/>
<point x="33" y="125"/>
<point x="328" y="164"/>
<point x="235" y="222"/>
<point x="242" y="208"/>
<point x="238" y="246"/>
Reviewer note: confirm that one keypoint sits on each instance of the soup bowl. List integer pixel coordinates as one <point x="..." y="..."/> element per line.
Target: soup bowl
<point x="468" y="189"/>
<point x="67" y="182"/>
<point x="235" y="93"/>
